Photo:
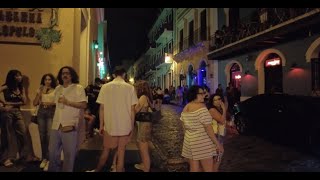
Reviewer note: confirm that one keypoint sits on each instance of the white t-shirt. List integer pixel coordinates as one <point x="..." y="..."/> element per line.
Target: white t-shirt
<point x="117" y="97"/>
<point x="68" y="116"/>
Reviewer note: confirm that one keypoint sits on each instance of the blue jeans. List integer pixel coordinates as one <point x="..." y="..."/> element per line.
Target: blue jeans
<point x="66" y="141"/>
<point x="17" y="136"/>
<point x="45" y="116"/>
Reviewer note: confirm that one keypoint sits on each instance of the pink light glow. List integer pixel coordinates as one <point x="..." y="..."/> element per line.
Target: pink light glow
<point x="296" y="73"/>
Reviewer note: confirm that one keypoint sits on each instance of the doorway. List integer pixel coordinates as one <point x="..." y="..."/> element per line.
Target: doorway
<point x="273" y="74"/>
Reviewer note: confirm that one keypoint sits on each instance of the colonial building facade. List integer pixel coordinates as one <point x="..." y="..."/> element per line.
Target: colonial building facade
<point x="266" y="50"/>
<point x="76" y="41"/>
<point x="157" y="66"/>
<point x="193" y="28"/>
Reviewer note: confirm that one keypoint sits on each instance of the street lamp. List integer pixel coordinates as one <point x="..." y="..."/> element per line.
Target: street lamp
<point x="167" y="58"/>
<point x="95" y="44"/>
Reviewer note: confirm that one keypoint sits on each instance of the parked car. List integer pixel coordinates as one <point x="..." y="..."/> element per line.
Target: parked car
<point x="281" y="118"/>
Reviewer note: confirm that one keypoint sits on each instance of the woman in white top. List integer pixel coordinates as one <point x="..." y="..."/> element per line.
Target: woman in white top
<point x="46" y="108"/>
<point x="218" y="113"/>
<point x="200" y="144"/>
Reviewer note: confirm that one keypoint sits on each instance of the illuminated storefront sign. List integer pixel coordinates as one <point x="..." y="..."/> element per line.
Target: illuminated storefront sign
<point x="272" y="62"/>
<point x="20" y="25"/>
<point x="101" y="64"/>
<point x="237" y="77"/>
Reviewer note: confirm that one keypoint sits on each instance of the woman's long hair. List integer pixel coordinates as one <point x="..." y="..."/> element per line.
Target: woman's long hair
<point x="53" y="80"/>
<point x="143" y="88"/>
<point x="210" y="103"/>
<point x="11" y="81"/>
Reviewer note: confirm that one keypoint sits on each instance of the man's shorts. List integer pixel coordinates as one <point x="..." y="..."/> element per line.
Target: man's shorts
<point x="112" y="142"/>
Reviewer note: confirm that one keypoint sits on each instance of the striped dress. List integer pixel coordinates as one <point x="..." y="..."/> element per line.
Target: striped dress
<point x="197" y="144"/>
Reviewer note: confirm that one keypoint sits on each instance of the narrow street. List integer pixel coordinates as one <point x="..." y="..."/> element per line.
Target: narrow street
<point x="242" y="153"/>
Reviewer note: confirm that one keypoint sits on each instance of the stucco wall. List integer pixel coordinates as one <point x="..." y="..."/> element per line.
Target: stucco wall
<point x="297" y="81"/>
<point x="34" y="61"/>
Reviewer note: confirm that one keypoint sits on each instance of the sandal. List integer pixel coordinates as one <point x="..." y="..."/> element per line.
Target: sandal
<point x="8" y="163"/>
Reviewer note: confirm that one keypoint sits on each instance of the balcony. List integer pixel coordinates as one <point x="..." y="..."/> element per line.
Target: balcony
<point x="263" y="29"/>
<point x="190" y="41"/>
<point x="166" y="32"/>
<point x="162" y="60"/>
<point x="201" y="35"/>
<point x="151" y="49"/>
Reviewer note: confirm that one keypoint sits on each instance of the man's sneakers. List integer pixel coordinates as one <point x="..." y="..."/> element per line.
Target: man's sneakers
<point x="139" y="166"/>
<point x="93" y="170"/>
<point x="113" y="168"/>
<point x="44" y="165"/>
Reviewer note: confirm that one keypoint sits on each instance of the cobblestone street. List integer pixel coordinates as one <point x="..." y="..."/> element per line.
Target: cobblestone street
<point x="242" y="153"/>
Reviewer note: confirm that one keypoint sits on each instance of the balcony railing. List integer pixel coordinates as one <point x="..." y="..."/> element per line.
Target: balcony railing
<point x="198" y="36"/>
<point x="201" y="35"/>
<point x="168" y="26"/>
<point x="256" y="22"/>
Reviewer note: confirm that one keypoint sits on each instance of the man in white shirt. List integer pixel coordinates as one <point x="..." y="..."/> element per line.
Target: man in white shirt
<point x="70" y="99"/>
<point x="117" y="100"/>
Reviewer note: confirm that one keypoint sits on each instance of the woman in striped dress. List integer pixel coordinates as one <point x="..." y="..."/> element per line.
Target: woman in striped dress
<point x="200" y="144"/>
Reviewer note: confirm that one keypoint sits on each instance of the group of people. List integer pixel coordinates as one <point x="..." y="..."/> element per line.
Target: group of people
<point x="204" y="121"/>
<point x="61" y="107"/>
<point x="60" y="103"/>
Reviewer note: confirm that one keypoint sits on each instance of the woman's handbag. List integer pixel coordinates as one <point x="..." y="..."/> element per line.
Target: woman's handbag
<point x="143" y="116"/>
<point x="34" y="115"/>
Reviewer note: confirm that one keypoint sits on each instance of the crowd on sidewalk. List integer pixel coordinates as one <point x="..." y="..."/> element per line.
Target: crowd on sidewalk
<point x="112" y="109"/>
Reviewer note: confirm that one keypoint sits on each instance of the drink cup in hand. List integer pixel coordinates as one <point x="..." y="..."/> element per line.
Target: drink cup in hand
<point x="60" y="104"/>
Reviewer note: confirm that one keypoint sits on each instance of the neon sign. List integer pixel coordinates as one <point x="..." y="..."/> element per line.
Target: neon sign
<point x="272" y="62"/>
<point x="237" y="77"/>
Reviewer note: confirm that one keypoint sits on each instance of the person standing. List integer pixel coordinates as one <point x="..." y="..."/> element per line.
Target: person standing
<point x="13" y="96"/>
<point x="117" y="101"/>
<point x="46" y="108"/>
<point x="144" y="124"/>
<point x="220" y="92"/>
<point x="70" y="99"/>
<point x="218" y="113"/>
<point x="200" y="144"/>
<point x="92" y="91"/>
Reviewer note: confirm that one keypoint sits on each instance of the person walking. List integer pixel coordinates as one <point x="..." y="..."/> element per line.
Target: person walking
<point x="117" y="101"/>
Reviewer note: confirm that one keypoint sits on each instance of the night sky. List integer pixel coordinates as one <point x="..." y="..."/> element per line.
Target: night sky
<point x="127" y="31"/>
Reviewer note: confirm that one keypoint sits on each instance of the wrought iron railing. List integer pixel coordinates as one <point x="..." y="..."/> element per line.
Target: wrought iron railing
<point x="168" y="26"/>
<point x="257" y="21"/>
<point x="198" y="36"/>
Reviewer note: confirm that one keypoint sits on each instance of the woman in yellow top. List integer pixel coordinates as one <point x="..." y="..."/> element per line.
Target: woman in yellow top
<point x="218" y="113"/>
